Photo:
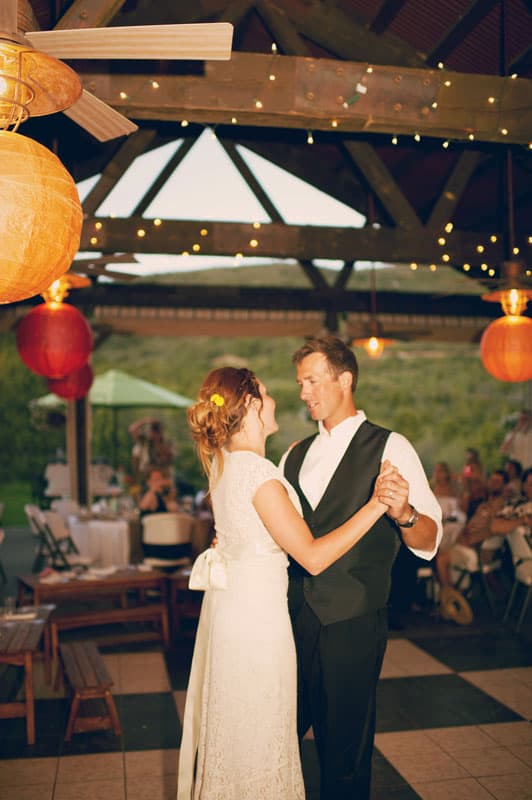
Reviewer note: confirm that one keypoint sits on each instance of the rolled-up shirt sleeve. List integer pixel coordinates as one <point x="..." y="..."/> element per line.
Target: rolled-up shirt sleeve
<point x="402" y="455"/>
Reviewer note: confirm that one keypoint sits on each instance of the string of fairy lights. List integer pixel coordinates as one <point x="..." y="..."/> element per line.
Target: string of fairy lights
<point x="482" y="258"/>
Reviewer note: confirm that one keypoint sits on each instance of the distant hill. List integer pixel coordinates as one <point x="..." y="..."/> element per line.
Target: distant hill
<point x="401" y="278"/>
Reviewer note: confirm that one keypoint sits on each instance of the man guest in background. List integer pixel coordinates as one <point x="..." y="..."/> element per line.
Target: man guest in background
<point x="340" y="617"/>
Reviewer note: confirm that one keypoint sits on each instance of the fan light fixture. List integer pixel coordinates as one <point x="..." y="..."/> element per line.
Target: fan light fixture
<point x="32" y="83"/>
<point x="60" y="288"/>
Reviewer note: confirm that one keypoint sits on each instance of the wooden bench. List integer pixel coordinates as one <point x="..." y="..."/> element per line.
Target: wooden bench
<point x="156" y="613"/>
<point x="90" y="682"/>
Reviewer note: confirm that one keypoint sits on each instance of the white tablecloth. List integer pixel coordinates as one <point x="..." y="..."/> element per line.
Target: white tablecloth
<point x="105" y="541"/>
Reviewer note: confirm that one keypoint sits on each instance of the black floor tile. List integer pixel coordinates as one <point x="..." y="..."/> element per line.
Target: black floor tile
<point x="50" y="726"/>
<point x="149" y="721"/>
<point x="178" y="661"/>
<point x="386" y="784"/>
<point x="483" y="651"/>
<point x="435" y="701"/>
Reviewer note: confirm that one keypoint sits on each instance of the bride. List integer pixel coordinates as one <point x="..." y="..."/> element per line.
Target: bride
<point x="239" y="735"/>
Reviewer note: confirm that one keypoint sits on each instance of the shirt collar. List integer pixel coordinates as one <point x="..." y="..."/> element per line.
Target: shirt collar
<point x="347" y="427"/>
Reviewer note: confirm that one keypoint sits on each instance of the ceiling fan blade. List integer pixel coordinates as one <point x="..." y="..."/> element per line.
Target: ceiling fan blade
<point x="99" y="119"/>
<point x="204" y="41"/>
<point x="97" y="270"/>
<point x="123" y="258"/>
<point x="8" y="16"/>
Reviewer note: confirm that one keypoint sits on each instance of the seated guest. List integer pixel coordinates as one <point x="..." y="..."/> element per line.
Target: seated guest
<point x="442" y="481"/>
<point x="160" y="494"/>
<point x="514" y="471"/>
<point x="474" y="488"/>
<point x="517" y="512"/>
<point x="478" y="528"/>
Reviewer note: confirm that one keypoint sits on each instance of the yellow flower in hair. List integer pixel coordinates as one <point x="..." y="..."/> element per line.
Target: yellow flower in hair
<point x="217" y="399"/>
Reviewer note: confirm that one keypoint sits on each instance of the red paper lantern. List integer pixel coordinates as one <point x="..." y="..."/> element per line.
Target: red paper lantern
<point x="54" y="340"/>
<point x="506" y="349"/>
<point x="73" y="386"/>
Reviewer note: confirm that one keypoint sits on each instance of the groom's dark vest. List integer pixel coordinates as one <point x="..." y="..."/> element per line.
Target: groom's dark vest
<point x="359" y="581"/>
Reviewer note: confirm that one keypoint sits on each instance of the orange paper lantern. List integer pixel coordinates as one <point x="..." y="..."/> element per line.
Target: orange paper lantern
<point x="40" y="219"/>
<point x="73" y="386"/>
<point x="506" y="349"/>
<point x="54" y="340"/>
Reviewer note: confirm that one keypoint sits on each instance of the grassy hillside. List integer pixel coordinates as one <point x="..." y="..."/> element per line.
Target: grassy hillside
<point x="439" y="396"/>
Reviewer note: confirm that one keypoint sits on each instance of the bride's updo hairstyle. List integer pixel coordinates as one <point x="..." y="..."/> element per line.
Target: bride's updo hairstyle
<point x="218" y="413"/>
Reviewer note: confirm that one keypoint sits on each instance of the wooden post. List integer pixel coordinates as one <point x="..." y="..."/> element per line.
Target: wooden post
<point x="78" y="449"/>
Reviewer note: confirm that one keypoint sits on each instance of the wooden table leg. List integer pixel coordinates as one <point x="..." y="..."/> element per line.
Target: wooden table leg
<point x="30" y="700"/>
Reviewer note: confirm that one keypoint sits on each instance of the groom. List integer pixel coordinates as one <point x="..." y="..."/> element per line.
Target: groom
<point x="339" y="617"/>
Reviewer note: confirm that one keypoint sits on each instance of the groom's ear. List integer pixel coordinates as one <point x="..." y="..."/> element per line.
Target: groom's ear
<point x="346" y="380"/>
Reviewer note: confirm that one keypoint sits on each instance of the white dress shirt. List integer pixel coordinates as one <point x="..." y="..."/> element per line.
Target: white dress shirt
<point x="327" y="450"/>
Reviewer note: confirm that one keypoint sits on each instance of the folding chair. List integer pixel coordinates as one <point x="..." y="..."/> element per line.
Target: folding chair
<point x="520" y="543"/>
<point x="466" y="562"/>
<point x="44" y="548"/>
<point x="66" y="552"/>
<point x="3" y="576"/>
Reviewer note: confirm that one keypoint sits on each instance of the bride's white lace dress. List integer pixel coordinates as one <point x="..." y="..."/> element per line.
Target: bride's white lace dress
<point x="239" y="734"/>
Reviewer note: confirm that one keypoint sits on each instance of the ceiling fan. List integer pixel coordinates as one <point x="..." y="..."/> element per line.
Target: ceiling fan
<point x="83" y="271"/>
<point x="34" y="82"/>
<point x="97" y="266"/>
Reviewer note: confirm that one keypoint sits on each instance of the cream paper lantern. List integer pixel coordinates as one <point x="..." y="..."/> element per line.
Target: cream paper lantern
<point x="40" y="218"/>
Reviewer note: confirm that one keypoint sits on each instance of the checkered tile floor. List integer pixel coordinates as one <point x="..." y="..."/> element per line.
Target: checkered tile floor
<point x="454" y="709"/>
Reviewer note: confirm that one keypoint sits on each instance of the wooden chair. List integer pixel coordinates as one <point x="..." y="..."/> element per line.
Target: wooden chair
<point x="166" y="539"/>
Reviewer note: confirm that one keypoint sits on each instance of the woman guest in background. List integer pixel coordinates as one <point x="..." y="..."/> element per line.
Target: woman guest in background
<point x="240" y="738"/>
<point x="453" y="517"/>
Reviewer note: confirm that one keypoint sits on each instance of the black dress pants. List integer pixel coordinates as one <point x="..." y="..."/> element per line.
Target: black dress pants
<point x="338" y="670"/>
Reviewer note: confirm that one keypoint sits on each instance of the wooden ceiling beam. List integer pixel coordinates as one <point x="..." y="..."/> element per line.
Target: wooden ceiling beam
<point x="236" y="12"/>
<point x="281" y="299"/>
<point x="168" y="169"/>
<point x="283" y="32"/>
<point x="301" y="242"/>
<point x="380" y="180"/>
<point x="344" y="275"/>
<point x="95" y="14"/>
<point x="386" y="15"/>
<point x="523" y="62"/>
<point x="460" y="30"/>
<point x="325" y="94"/>
<point x="346" y="36"/>
<point x="249" y="177"/>
<point x="314" y="275"/>
<point x="455" y="185"/>
<point x="123" y="158"/>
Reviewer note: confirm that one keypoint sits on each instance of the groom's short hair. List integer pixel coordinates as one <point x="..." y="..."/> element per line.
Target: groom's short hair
<point x="340" y="357"/>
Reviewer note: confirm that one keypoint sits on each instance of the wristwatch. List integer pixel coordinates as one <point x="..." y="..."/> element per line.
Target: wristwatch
<point x="412" y="519"/>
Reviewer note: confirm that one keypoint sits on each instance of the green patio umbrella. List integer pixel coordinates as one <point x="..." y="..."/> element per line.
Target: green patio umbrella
<point x="116" y="389"/>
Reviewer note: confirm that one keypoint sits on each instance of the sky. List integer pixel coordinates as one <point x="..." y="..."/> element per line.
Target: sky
<point x="207" y="186"/>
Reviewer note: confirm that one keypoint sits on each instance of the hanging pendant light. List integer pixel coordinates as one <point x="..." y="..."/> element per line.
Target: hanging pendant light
<point x="506" y="349"/>
<point x="373" y="342"/>
<point x="506" y="344"/>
